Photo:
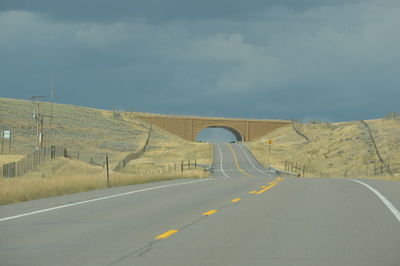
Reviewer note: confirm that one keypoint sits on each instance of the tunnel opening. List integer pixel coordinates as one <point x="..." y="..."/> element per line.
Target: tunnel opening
<point x="218" y="134"/>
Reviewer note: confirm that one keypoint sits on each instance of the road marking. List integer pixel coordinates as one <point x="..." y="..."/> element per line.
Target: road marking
<point x="271" y="185"/>
<point x="253" y="192"/>
<point x="265" y="189"/>
<point x="236" y="200"/>
<point x="245" y="154"/>
<point x="237" y="162"/>
<point x="388" y="204"/>
<point x="211" y="212"/>
<point x="220" y="154"/>
<point x="98" y="199"/>
<point x="166" y="234"/>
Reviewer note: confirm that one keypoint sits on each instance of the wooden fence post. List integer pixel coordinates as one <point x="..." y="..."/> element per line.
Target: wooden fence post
<point x="13" y="169"/>
<point x="2" y="142"/>
<point x="108" y="174"/>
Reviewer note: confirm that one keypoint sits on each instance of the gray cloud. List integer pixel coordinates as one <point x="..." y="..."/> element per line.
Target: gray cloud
<point x="278" y="59"/>
<point x="155" y="11"/>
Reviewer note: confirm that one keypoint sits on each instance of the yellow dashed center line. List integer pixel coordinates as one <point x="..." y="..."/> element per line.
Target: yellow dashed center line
<point x="237" y="162"/>
<point x="166" y="234"/>
<point x="265" y="189"/>
<point x="210" y="212"/>
<point x="271" y="185"/>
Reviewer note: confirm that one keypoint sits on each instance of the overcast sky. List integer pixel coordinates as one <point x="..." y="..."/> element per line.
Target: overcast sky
<point x="332" y="60"/>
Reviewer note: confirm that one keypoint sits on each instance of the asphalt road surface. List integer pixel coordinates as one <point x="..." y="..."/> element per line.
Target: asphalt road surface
<point x="243" y="215"/>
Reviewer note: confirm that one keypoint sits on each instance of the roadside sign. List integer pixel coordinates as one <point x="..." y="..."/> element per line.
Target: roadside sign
<point x="269" y="141"/>
<point x="7" y="134"/>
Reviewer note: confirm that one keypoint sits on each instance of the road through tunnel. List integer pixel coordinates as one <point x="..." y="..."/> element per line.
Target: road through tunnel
<point x="218" y="134"/>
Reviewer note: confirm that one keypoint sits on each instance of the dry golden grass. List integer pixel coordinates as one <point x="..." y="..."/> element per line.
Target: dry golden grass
<point x="334" y="149"/>
<point x="166" y="150"/>
<point x="387" y="138"/>
<point x="4" y="159"/>
<point x="92" y="133"/>
<point x="64" y="176"/>
<point x="168" y="154"/>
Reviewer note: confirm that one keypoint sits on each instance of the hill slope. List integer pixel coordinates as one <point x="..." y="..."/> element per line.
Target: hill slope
<point x="90" y="132"/>
<point x="333" y="149"/>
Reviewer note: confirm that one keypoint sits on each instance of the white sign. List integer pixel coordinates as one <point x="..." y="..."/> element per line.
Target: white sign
<point x="7" y="134"/>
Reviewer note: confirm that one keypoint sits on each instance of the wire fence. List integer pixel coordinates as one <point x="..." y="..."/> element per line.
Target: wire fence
<point x="175" y="168"/>
<point x="301" y="170"/>
<point x="77" y="156"/>
<point x="42" y="155"/>
<point x="381" y="169"/>
<point x="386" y="168"/>
<point x="295" y="168"/>
<point x="32" y="161"/>
<point x="133" y="155"/>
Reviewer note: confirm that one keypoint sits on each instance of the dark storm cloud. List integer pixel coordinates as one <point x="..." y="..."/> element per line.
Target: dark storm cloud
<point x="158" y="10"/>
<point x="277" y="59"/>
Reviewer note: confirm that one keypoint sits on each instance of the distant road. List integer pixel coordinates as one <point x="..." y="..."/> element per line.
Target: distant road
<point x="244" y="215"/>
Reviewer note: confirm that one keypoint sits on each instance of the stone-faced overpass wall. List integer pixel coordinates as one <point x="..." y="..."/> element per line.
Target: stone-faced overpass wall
<point x="188" y="127"/>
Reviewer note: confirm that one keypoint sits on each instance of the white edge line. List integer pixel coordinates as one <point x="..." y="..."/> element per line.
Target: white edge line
<point x="220" y="154"/>
<point x="260" y="171"/>
<point x="97" y="199"/>
<point x="388" y="204"/>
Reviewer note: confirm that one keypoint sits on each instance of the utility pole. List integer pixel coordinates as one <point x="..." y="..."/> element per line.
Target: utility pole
<point x="37" y="115"/>
<point x="51" y="108"/>
<point x="47" y="132"/>
<point x="107" y="171"/>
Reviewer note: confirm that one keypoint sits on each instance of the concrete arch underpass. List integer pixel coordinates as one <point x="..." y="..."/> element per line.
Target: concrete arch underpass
<point x="188" y="127"/>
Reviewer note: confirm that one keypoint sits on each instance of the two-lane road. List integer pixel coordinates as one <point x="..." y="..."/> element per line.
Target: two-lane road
<point x="243" y="215"/>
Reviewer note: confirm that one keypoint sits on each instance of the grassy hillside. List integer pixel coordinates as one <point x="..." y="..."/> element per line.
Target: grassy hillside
<point x="92" y="133"/>
<point x="333" y="149"/>
<point x="165" y="149"/>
